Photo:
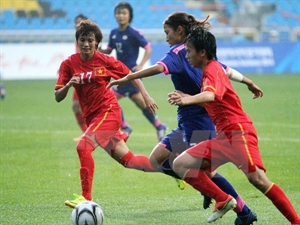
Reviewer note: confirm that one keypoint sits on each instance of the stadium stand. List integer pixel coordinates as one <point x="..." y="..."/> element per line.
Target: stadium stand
<point x="149" y="14"/>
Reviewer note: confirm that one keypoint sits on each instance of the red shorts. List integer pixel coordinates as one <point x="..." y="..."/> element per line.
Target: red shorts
<point x="105" y="128"/>
<point x="75" y="96"/>
<point x="237" y="144"/>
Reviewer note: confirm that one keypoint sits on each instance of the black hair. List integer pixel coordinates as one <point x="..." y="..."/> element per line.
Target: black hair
<point x="203" y="39"/>
<point x="81" y="16"/>
<point x="185" y="20"/>
<point x="87" y="26"/>
<point x="125" y="5"/>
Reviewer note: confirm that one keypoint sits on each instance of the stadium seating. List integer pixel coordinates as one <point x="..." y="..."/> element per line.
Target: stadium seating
<point x="148" y="14"/>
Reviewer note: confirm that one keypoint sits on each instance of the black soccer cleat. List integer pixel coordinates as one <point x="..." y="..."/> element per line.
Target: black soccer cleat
<point x="207" y="201"/>
<point x="246" y="220"/>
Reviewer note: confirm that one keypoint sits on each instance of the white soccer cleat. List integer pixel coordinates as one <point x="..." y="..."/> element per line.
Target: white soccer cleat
<point x="222" y="208"/>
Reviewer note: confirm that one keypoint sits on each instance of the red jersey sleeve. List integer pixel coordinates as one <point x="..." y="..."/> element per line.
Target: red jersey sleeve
<point x="214" y="79"/>
<point x="116" y="69"/>
<point x="64" y="74"/>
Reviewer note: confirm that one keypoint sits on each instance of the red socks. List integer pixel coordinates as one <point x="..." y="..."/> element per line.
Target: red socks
<point x="201" y="182"/>
<point x="85" y="148"/>
<point x="139" y="162"/>
<point x="282" y="203"/>
<point x="80" y="121"/>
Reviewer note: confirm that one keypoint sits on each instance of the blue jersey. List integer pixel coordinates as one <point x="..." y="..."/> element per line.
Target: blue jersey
<point x="194" y="123"/>
<point x="185" y="78"/>
<point x="127" y="44"/>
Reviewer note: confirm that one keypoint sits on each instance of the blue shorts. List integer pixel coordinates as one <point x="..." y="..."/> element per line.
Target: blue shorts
<point x="126" y="90"/>
<point x="188" y="133"/>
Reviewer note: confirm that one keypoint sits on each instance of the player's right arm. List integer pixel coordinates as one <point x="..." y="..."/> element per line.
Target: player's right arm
<point x="109" y="48"/>
<point x="64" y="81"/>
<point x="61" y="94"/>
<point x="149" y="71"/>
<point x="105" y="51"/>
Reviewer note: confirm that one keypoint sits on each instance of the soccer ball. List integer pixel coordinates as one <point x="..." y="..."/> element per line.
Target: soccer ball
<point x="87" y="213"/>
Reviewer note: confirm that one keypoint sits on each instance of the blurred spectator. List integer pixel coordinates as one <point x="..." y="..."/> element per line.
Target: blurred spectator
<point x="2" y="92"/>
<point x="274" y="36"/>
<point x="251" y="14"/>
<point x="238" y="37"/>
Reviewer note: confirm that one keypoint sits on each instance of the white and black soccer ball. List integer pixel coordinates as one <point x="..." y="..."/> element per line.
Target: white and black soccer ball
<point x="87" y="213"/>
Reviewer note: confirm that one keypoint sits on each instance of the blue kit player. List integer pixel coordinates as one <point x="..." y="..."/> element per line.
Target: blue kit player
<point x="127" y="41"/>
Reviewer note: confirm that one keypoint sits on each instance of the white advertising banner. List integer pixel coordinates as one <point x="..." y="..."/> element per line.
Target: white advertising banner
<point x="26" y="61"/>
<point x="33" y="61"/>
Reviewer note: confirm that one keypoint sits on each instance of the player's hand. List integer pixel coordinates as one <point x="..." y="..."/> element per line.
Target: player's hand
<point x="257" y="92"/>
<point x="176" y="98"/>
<point x="137" y="68"/>
<point x="118" y="82"/>
<point x="151" y="105"/>
<point x="74" y="80"/>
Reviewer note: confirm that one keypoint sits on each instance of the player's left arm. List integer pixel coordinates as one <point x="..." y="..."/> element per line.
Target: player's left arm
<point x="238" y="77"/>
<point x="146" y="57"/>
<point x="150" y="103"/>
<point x="180" y="98"/>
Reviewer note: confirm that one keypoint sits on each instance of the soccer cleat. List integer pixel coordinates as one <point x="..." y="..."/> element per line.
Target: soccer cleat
<point x="206" y="201"/>
<point x="221" y="208"/>
<point x="76" y="201"/>
<point x="180" y="183"/>
<point x="161" y="132"/>
<point x="126" y="130"/>
<point x="246" y="220"/>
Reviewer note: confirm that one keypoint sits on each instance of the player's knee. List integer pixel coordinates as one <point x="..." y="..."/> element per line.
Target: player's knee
<point x="178" y="165"/>
<point x="259" y="181"/>
<point x="153" y="161"/>
<point x="85" y="144"/>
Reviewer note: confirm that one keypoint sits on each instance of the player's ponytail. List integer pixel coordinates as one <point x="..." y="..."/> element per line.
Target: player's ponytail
<point x="204" y="24"/>
<point x="187" y="21"/>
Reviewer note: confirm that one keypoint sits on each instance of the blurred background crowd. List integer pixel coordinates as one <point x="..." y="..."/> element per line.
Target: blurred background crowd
<point x="232" y="20"/>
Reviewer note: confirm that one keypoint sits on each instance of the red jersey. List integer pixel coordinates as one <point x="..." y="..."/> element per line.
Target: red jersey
<point x="226" y="109"/>
<point x="95" y="75"/>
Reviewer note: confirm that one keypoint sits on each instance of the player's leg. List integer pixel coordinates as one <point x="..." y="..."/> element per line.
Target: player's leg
<point x="121" y="92"/>
<point x="85" y="147"/>
<point x="184" y="165"/>
<point x="122" y="154"/>
<point x="165" y="151"/>
<point x="245" y="143"/>
<point x="78" y="114"/>
<point x="275" y="194"/>
<point x="200" y="129"/>
<point x="245" y="215"/>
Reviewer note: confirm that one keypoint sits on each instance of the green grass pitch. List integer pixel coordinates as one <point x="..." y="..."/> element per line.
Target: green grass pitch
<point x="39" y="164"/>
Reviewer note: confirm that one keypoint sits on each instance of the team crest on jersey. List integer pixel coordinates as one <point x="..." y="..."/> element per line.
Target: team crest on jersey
<point x="114" y="36"/>
<point x="125" y="37"/>
<point x="100" y="71"/>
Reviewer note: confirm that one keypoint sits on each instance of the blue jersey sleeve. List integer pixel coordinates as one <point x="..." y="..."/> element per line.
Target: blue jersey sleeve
<point x="173" y="61"/>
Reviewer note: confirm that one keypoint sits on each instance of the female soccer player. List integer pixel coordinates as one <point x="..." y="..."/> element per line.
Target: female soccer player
<point x="192" y="119"/>
<point x="89" y="72"/>
<point x="236" y="140"/>
<point x="127" y="41"/>
<point x="75" y="102"/>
